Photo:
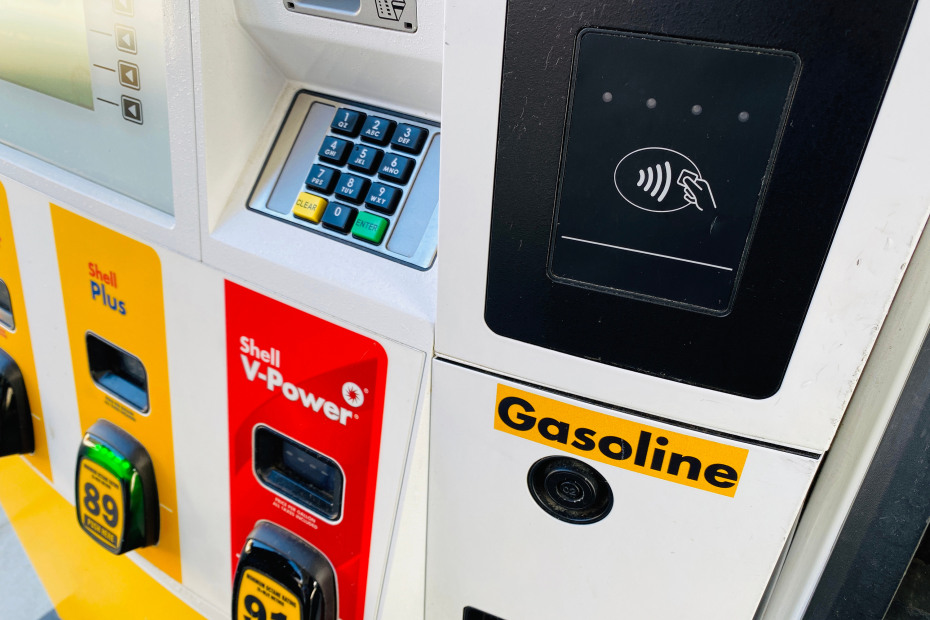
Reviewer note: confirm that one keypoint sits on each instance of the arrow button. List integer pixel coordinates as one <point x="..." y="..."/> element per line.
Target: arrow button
<point x="132" y="109"/>
<point x="126" y="39"/>
<point x="128" y="74"/>
<point x="123" y="7"/>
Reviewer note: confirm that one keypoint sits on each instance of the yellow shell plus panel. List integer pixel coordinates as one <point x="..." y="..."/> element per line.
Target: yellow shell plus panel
<point x="262" y="597"/>
<point x="114" y="306"/>
<point x="14" y="336"/>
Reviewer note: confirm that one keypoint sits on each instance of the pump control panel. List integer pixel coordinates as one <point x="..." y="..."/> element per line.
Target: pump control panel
<point x="116" y="497"/>
<point x="357" y="174"/>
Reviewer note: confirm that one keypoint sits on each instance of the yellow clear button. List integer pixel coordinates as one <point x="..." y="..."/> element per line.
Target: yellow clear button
<point x="309" y="207"/>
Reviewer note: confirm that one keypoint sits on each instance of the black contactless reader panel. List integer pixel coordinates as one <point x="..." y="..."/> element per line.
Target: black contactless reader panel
<point x="668" y="148"/>
<point x="16" y="434"/>
<point x="669" y="176"/>
<point x="116" y="496"/>
<point x="282" y="577"/>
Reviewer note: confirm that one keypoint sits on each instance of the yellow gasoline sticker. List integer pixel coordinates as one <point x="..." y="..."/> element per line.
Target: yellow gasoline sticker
<point x="660" y="453"/>
<point x="263" y="598"/>
<point x="100" y="504"/>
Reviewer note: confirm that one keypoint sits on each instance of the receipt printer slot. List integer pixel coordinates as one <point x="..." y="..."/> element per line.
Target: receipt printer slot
<point x="118" y="372"/>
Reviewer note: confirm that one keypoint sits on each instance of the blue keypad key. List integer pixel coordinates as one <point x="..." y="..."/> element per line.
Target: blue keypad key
<point x="383" y="198"/>
<point x="347" y="122"/>
<point x="322" y="179"/>
<point x="352" y="188"/>
<point x="339" y="217"/>
<point x="409" y="138"/>
<point x="396" y="168"/>
<point x="377" y="130"/>
<point x="365" y="158"/>
<point x="334" y="150"/>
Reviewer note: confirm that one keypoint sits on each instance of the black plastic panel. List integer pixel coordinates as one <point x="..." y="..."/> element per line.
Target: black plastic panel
<point x="846" y="52"/>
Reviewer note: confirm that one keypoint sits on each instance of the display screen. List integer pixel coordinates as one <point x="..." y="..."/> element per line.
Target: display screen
<point x="668" y="153"/>
<point x="43" y="47"/>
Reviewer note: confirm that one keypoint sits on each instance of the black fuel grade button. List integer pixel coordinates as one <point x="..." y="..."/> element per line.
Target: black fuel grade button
<point x="280" y="576"/>
<point x="16" y="434"/>
<point x="116" y="497"/>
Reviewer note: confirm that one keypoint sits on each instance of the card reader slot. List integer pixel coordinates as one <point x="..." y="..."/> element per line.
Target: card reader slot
<point x="118" y="372"/>
<point x="6" y="307"/>
<point x="299" y="473"/>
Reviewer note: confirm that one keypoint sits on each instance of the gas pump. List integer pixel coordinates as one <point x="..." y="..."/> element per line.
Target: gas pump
<point x="662" y="274"/>
<point x="226" y="215"/>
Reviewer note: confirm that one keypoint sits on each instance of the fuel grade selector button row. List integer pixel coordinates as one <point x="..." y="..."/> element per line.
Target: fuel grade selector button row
<point x="116" y="497"/>
<point x="335" y="163"/>
<point x="16" y="434"/>
<point x="280" y="576"/>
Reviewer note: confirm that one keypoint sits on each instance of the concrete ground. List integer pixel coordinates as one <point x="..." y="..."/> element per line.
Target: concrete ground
<point x="22" y="594"/>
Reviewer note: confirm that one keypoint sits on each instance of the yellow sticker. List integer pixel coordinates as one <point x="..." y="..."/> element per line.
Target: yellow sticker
<point x="15" y="339"/>
<point x="101" y="506"/>
<point x="263" y="598"/>
<point x="112" y="290"/>
<point x="660" y="453"/>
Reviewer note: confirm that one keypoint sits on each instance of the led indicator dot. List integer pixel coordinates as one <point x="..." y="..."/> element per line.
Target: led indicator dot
<point x="743" y="117"/>
<point x="607" y="97"/>
<point x="650" y="103"/>
<point x="696" y="110"/>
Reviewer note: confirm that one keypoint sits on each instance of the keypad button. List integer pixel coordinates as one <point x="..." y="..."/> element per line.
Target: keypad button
<point x="383" y="198"/>
<point x="322" y="179"/>
<point x="352" y="188"/>
<point x="339" y="217"/>
<point x="334" y="150"/>
<point x="396" y="168"/>
<point x="365" y="158"/>
<point x="377" y="130"/>
<point x="347" y="122"/>
<point x="409" y="138"/>
<point x="309" y="207"/>
<point x="369" y="227"/>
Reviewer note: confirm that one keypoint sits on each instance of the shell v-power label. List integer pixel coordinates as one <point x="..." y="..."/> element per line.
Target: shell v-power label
<point x="306" y="400"/>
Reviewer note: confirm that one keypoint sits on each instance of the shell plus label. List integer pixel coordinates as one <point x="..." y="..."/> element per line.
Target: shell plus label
<point x="100" y="504"/>
<point x="305" y="412"/>
<point x="263" y="598"/>
<point x="114" y="303"/>
<point x="676" y="457"/>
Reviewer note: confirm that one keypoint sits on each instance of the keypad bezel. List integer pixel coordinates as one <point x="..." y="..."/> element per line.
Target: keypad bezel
<point x="298" y="140"/>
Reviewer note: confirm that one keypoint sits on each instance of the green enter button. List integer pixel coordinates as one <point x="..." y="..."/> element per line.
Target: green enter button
<point x="370" y="228"/>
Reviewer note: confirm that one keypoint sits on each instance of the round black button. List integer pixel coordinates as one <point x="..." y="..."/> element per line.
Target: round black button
<point x="570" y="490"/>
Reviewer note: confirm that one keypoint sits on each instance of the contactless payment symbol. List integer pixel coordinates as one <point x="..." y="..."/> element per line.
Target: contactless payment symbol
<point x="352" y="394"/>
<point x="661" y="180"/>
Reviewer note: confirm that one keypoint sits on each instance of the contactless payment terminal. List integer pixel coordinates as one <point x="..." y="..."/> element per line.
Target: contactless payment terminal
<point x="666" y="159"/>
<point x="116" y="498"/>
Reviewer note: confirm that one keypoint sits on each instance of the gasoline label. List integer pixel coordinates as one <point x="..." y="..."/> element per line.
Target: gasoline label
<point x="263" y="598"/>
<point x="660" y="453"/>
<point x="100" y="505"/>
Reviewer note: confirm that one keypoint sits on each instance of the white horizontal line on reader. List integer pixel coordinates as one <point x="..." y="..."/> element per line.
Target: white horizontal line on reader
<point x="619" y="247"/>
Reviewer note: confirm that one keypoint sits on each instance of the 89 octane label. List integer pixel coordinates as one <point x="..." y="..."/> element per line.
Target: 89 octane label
<point x="263" y="598"/>
<point x="100" y="505"/>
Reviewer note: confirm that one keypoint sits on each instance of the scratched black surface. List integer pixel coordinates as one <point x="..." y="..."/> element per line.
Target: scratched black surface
<point x="847" y="51"/>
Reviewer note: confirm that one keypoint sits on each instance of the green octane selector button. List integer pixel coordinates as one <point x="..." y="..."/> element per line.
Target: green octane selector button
<point x="370" y="228"/>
